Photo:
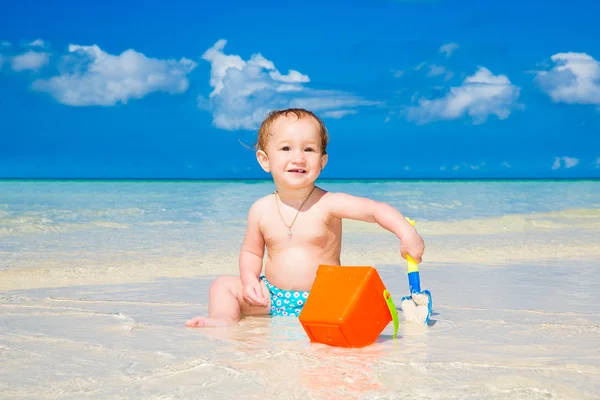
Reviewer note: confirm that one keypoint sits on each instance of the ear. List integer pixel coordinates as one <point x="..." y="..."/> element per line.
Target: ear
<point x="324" y="159"/>
<point x="263" y="160"/>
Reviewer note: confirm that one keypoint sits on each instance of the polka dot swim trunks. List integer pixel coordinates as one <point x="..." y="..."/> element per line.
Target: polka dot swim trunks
<point x="285" y="303"/>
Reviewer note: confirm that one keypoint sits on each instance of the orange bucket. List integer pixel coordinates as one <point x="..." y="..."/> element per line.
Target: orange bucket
<point x="347" y="307"/>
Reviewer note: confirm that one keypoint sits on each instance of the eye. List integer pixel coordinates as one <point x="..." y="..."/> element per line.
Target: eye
<point x="309" y="149"/>
<point x="285" y="148"/>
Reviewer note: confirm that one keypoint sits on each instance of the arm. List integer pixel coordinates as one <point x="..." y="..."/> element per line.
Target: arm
<point x="343" y="205"/>
<point x="253" y="248"/>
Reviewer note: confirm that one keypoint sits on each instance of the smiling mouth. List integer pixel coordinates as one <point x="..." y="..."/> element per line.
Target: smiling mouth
<point x="297" y="171"/>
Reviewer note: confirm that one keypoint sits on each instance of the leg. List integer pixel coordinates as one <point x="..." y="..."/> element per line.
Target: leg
<point x="226" y="305"/>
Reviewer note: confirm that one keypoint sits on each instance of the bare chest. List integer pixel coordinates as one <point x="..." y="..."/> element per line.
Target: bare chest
<point x="310" y="228"/>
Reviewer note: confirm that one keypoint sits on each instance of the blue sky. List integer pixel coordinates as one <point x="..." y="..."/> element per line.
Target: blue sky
<point x="408" y="89"/>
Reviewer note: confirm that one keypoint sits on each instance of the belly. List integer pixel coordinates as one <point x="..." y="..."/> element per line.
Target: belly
<point x="296" y="268"/>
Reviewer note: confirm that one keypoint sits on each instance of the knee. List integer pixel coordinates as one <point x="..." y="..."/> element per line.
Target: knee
<point x="225" y="283"/>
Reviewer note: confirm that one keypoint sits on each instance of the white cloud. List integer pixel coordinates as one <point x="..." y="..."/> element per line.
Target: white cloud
<point x="291" y="77"/>
<point x="328" y="100"/>
<point x="96" y="78"/>
<point x="566" y="162"/>
<point x="598" y="162"/>
<point x="505" y="164"/>
<point x="570" y="162"/>
<point x="574" y="79"/>
<point x="448" y="48"/>
<point x="337" y="114"/>
<point x="5" y="44"/>
<point x="37" y="43"/>
<point x="455" y="168"/>
<point x="443" y="168"/>
<point x="433" y="70"/>
<point x="480" y="95"/>
<point x="245" y="91"/>
<point x="436" y="70"/>
<point x="31" y="60"/>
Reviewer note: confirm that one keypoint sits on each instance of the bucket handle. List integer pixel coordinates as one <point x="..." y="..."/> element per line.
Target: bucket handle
<point x="390" y="303"/>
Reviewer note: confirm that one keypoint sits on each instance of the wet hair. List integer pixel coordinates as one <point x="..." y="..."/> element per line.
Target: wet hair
<point x="265" y="128"/>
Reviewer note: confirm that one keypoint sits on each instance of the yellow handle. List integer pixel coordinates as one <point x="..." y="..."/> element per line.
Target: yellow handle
<point x="412" y="265"/>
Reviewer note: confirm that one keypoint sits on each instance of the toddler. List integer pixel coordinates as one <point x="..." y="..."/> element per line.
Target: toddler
<point x="300" y="225"/>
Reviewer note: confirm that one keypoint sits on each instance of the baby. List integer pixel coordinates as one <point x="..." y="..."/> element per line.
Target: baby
<point x="300" y="225"/>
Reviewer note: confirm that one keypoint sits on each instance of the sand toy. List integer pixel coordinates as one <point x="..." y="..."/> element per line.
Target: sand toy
<point x="416" y="307"/>
<point x="347" y="307"/>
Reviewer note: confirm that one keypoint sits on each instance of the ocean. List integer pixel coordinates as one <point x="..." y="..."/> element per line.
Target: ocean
<point x="97" y="279"/>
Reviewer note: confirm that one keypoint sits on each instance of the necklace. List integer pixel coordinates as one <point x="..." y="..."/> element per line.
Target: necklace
<point x="289" y="227"/>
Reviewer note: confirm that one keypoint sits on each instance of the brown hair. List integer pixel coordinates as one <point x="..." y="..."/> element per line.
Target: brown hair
<point x="265" y="127"/>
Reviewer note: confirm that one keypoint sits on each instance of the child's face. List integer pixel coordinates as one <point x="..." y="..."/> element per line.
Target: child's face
<point x="293" y="152"/>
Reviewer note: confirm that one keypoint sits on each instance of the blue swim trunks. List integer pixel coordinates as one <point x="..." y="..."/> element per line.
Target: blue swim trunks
<point x="285" y="303"/>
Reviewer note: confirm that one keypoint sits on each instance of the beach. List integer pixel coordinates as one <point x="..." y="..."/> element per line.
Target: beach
<point x="97" y="279"/>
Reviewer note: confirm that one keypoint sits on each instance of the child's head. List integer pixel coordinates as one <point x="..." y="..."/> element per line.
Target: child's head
<point x="292" y="147"/>
<point x="299" y="113"/>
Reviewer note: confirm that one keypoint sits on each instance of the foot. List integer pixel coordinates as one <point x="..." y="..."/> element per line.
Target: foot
<point x="207" y="322"/>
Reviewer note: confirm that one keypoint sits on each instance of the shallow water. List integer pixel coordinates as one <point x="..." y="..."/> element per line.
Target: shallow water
<point x="497" y="332"/>
<point x="97" y="279"/>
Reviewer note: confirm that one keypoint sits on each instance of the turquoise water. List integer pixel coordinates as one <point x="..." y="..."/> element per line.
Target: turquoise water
<point x="98" y="277"/>
<point x="150" y="213"/>
<point x="196" y="227"/>
<point x="196" y="200"/>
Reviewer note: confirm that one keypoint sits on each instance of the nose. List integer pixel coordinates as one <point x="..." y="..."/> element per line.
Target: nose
<point x="298" y="156"/>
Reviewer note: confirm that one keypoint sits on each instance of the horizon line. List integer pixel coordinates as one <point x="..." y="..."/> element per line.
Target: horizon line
<point x="137" y="179"/>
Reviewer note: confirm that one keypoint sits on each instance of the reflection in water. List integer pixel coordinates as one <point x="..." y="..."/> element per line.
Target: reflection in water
<point x="342" y="373"/>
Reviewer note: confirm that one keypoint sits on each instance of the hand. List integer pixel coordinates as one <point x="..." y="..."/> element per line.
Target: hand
<point x="253" y="295"/>
<point x="414" y="246"/>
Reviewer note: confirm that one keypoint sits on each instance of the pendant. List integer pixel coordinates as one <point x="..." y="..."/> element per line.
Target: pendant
<point x="289" y="234"/>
